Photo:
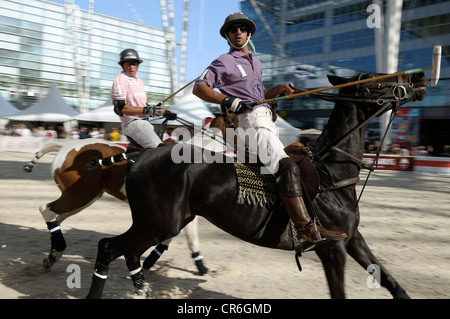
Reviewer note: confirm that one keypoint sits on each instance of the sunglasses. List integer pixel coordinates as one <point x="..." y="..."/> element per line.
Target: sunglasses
<point x="234" y="28"/>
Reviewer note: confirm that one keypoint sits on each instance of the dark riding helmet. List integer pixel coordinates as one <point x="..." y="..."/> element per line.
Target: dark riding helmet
<point x="129" y="54"/>
<point x="237" y="17"/>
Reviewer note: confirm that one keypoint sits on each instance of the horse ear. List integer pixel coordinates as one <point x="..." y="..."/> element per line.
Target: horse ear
<point x="336" y="80"/>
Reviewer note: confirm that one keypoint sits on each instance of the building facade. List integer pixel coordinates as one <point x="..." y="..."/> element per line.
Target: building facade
<point x="43" y="42"/>
<point x="301" y="41"/>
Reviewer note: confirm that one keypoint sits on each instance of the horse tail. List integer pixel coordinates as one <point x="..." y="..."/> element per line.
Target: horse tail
<point x="107" y="161"/>
<point x="46" y="148"/>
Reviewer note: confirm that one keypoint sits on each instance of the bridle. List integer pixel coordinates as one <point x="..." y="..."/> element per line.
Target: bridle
<point x="385" y="95"/>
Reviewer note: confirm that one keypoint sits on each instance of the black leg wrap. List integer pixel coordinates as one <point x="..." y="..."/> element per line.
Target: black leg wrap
<point x="98" y="281"/>
<point x="154" y="256"/>
<point x="57" y="238"/>
<point x="199" y="263"/>
<point x="95" y="163"/>
<point x="119" y="157"/>
<point x="107" y="161"/>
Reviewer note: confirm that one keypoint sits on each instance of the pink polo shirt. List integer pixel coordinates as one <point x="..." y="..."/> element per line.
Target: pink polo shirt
<point x="131" y="90"/>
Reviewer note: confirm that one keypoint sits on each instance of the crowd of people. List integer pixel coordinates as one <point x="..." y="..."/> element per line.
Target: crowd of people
<point x="397" y="149"/>
<point x="51" y="132"/>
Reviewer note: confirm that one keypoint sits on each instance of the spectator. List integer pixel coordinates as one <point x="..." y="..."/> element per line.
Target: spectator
<point x="102" y="133"/>
<point x="61" y="132"/>
<point x="114" y="135"/>
<point x="84" y="132"/>
<point x="94" y="133"/>
<point x="51" y="133"/>
<point x="75" y="134"/>
<point x="23" y="131"/>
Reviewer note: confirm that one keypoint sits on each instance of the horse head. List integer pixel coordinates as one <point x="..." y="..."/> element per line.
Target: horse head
<point x="358" y="104"/>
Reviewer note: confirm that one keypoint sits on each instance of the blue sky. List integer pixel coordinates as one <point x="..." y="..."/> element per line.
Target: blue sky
<point x="204" y="42"/>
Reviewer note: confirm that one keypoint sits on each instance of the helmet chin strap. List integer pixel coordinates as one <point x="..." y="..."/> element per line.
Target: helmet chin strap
<point x="241" y="47"/>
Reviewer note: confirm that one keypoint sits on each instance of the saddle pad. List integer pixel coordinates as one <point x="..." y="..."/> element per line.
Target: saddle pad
<point x="254" y="188"/>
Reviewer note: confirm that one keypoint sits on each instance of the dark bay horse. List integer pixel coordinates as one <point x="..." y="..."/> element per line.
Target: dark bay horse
<point x="81" y="186"/>
<point x="162" y="204"/>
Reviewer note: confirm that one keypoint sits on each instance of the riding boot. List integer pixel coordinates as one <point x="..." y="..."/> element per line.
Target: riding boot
<point x="290" y="190"/>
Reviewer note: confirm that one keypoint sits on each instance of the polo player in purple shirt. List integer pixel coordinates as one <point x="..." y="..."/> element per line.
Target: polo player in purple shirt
<point x="238" y="76"/>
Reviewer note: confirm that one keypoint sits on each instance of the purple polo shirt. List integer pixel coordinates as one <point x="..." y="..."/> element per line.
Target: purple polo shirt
<point x="235" y="74"/>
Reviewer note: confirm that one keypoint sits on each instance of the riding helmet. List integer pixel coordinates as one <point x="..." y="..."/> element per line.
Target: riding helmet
<point x="237" y="17"/>
<point x="129" y="54"/>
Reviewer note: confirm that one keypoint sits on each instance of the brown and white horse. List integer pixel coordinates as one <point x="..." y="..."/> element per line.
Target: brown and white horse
<point x="81" y="185"/>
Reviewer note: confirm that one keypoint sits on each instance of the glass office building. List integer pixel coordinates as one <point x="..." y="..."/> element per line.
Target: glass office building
<point x="43" y="42"/>
<point x="301" y="41"/>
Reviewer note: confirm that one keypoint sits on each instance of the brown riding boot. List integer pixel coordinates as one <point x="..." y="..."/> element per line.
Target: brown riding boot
<point x="290" y="190"/>
<point x="308" y="232"/>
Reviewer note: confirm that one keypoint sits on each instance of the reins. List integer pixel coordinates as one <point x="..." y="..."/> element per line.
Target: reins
<point x="174" y="117"/>
<point x="398" y="92"/>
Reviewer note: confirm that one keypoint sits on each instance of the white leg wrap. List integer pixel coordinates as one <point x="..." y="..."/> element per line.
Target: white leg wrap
<point x="100" y="275"/>
<point x="199" y="257"/>
<point x="134" y="272"/>
<point x="54" y="229"/>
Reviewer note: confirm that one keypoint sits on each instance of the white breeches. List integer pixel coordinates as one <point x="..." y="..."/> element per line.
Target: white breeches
<point x="143" y="133"/>
<point x="260" y="135"/>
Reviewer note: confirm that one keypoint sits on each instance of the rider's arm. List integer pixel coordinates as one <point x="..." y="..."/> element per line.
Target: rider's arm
<point x="132" y="110"/>
<point x="204" y="92"/>
<point x="280" y="89"/>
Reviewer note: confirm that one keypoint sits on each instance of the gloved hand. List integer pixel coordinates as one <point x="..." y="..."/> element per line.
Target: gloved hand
<point x="233" y="105"/>
<point x="151" y="110"/>
<point x="171" y="116"/>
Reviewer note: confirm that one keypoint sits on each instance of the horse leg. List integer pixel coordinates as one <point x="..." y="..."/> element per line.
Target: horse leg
<point x="156" y="254"/>
<point x="332" y="255"/>
<point x="360" y="251"/>
<point x="134" y="266"/>
<point x="130" y="244"/>
<point x="54" y="213"/>
<point x="58" y="243"/>
<point x="191" y="232"/>
<point x="47" y="148"/>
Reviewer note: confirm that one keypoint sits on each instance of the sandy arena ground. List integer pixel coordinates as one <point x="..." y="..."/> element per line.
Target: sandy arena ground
<point x="405" y="219"/>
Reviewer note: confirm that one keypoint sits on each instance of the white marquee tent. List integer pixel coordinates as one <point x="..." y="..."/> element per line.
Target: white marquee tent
<point x="189" y="108"/>
<point x="104" y="113"/>
<point x="51" y="108"/>
<point x="6" y="108"/>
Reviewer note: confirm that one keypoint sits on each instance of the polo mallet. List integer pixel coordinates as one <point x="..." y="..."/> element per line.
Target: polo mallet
<point x="175" y="93"/>
<point x="435" y="71"/>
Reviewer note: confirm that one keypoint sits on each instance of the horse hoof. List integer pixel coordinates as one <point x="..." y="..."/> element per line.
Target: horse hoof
<point x="28" y="168"/>
<point x="201" y="268"/>
<point x="143" y="292"/>
<point x="47" y="264"/>
<point x="52" y="259"/>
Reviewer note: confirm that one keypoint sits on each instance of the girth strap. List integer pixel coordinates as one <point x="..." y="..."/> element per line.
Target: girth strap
<point x="340" y="184"/>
